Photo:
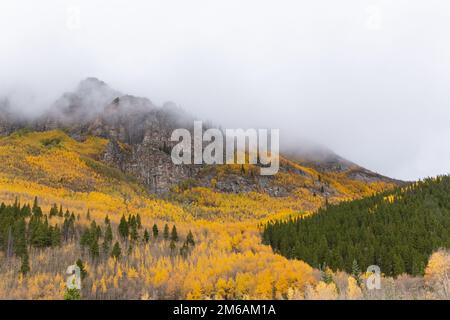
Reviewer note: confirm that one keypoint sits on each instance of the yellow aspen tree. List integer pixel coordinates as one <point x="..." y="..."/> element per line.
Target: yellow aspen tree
<point x="353" y="290"/>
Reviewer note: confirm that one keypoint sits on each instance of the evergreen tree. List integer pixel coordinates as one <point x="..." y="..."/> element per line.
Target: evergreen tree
<point x="94" y="249"/>
<point x="133" y="231"/>
<point x="190" y="239"/>
<point x="20" y="245"/>
<point x="116" y="251"/>
<point x="166" y="232"/>
<point x="107" y="240"/>
<point x="123" y="228"/>
<point x="55" y="236"/>
<point x="155" y="231"/>
<point x="146" y="236"/>
<point x="356" y="271"/>
<point x="53" y="211"/>
<point x="174" y="234"/>
<point x="386" y="229"/>
<point x="36" y="210"/>
<point x="25" y="267"/>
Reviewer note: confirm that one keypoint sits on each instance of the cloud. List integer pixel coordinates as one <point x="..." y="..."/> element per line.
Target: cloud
<point x="368" y="79"/>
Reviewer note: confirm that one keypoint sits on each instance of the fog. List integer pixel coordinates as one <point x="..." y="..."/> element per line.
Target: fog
<point x="368" y="79"/>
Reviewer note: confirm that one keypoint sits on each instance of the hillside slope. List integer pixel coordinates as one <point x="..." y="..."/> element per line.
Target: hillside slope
<point x="395" y="230"/>
<point x="137" y="135"/>
<point x="103" y="153"/>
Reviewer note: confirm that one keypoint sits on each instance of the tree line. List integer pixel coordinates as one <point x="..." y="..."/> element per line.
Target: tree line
<point x="396" y="230"/>
<point x="25" y="227"/>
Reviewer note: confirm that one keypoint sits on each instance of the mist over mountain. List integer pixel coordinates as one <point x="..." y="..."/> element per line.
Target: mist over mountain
<point x="96" y="109"/>
<point x="93" y="104"/>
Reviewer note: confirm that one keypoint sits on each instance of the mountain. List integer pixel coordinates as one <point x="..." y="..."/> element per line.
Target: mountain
<point x="138" y="144"/>
<point x="91" y="181"/>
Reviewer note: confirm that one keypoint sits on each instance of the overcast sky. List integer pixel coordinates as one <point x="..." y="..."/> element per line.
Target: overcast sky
<point x="368" y="79"/>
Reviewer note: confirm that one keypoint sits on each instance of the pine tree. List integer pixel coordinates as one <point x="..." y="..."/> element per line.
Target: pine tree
<point x="166" y="232"/>
<point x="107" y="241"/>
<point x="133" y="232"/>
<point x="36" y="210"/>
<point x="146" y="236"/>
<point x="174" y="234"/>
<point x="190" y="239"/>
<point x="123" y="228"/>
<point x="116" y="251"/>
<point x="53" y="211"/>
<point x="88" y="215"/>
<point x="55" y="235"/>
<point x="94" y="249"/>
<point x="20" y="243"/>
<point x="25" y="267"/>
<point x="155" y="231"/>
<point x="356" y="272"/>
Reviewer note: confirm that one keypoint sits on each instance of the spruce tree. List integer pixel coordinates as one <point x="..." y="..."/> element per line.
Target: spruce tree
<point x="356" y="272"/>
<point x="116" y="251"/>
<point x="190" y="239"/>
<point x="25" y="267"/>
<point x="146" y="236"/>
<point x="166" y="232"/>
<point x="174" y="234"/>
<point x="155" y="231"/>
<point x="107" y="240"/>
<point x="123" y="228"/>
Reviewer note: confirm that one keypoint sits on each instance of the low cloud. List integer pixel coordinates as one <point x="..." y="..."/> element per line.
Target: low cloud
<point x="367" y="79"/>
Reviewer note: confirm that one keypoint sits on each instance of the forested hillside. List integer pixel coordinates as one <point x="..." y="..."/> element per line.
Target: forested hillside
<point x="95" y="185"/>
<point x="397" y="230"/>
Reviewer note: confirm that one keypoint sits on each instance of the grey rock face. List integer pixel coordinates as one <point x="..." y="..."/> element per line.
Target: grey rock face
<point x="139" y="140"/>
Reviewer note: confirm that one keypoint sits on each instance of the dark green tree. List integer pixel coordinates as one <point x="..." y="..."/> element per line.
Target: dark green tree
<point x="123" y="228"/>
<point x="146" y="236"/>
<point x="174" y="234"/>
<point x="190" y="239"/>
<point x="25" y="267"/>
<point x="166" y="232"/>
<point x="116" y="251"/>
<point x="155" y="231"/>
